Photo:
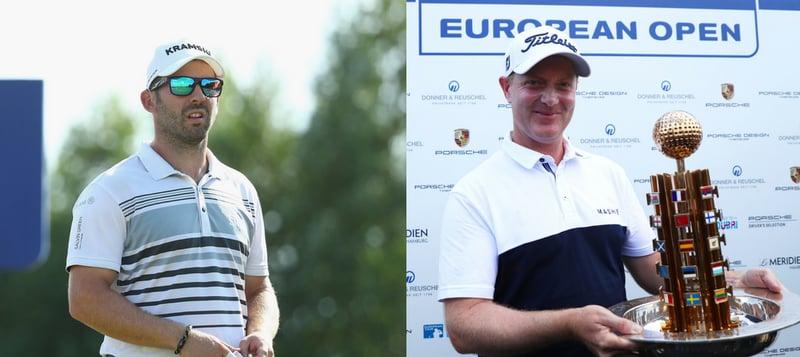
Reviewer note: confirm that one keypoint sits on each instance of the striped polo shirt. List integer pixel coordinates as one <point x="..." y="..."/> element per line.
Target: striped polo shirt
<point x="181" y="249"/>
<point x="532" y="235"/>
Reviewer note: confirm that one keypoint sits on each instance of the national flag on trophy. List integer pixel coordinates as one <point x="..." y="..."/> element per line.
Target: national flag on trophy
<point x="678" y="195"/>
<point x="711" y="217"/>
<point x="690" y="271"/>
<point x="713" y="242"/>
<point x="686" y="245"/>
<point x="652" y="198"/>
<point x="692" y="299"/>
<point x="707" y="191"/>
<point x="668" y="299"/>
<point x="655" y="221"/>
<point x="659" y="246"/>
<point x="716" y="268"/>
<point x="663" y="270"/>
<point x="681" y="220"/>
<point x="720" y="295"/>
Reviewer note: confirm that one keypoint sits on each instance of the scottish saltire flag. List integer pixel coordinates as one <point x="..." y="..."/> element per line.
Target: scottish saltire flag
<point x="652" y="198"/>
<point x="686" y="245"/>
<point x="720" y="295"/>
<point x="659" y="246"/>
<point x="716" y="268"/>
<point x="713" y="242"/>
<point x="690" y="271"/>
<point x="678" y="195"/>
<point x="692" y="299"/>
<point x="681" y="220"/>
<point x="711" y="217"/>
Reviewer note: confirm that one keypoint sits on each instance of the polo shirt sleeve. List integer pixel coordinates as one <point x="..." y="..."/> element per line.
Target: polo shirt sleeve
<point x="468" y="252"/>
<point x="257" y="264"/>
<point x="640" y="234"/>
<point x="97" y="234"/>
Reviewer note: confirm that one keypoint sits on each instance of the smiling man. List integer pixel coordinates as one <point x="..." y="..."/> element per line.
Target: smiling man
<point x="536" y="239"/>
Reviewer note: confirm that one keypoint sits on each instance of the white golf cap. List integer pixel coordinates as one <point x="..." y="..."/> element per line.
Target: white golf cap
<point x="533" y="45"/>
<point x="171" y="56"/>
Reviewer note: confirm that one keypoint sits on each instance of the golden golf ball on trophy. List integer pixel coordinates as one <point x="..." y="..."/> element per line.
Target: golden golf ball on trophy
<point x="697" y="312"/>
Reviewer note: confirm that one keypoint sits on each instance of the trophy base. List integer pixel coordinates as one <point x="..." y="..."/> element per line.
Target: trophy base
<point x="762" y="314"/>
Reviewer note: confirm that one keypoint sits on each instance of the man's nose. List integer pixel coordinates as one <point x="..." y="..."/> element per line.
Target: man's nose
<point x="549" y="96"/>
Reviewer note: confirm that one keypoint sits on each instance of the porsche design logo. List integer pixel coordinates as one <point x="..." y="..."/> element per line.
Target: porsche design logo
<point x="461" y="137"/>
<point x="727" y="91"/>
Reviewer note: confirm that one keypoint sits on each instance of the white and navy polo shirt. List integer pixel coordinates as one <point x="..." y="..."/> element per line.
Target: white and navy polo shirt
<point x="181" y="249"/>
<point x="531" y="235"/>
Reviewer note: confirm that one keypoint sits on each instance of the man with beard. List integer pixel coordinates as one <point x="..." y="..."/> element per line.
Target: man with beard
<point x="167" y="252"/>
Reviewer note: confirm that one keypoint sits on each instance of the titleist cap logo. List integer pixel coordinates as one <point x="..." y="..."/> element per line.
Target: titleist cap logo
<point x="547" y="38"/>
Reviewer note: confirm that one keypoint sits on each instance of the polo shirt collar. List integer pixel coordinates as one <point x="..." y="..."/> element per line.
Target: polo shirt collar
<point x="160" y="168"/>
<point x="528" y="158"/>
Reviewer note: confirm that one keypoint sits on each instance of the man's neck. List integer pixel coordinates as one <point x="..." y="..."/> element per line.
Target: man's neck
<point x="555" y="150"/>
<point x="191" y="161"/>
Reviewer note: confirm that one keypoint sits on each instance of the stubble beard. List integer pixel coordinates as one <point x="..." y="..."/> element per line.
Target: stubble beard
<point x="176" y="133"/>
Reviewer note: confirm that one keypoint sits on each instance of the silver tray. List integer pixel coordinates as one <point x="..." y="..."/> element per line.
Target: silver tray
<point x="761" y="312"/>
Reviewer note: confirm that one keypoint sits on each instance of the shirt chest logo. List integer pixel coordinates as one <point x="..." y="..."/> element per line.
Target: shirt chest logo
<point x="608" y="211"/>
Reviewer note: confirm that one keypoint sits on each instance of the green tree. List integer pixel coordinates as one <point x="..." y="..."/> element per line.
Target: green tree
<point x="345" y="291"/>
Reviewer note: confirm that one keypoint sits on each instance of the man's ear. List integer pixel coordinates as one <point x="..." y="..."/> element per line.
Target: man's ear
<point x="505" y="82"/>
<point x="148" y="101"/>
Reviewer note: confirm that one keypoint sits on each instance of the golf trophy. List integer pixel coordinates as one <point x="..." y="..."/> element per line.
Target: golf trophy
<point x="697" y="313"/>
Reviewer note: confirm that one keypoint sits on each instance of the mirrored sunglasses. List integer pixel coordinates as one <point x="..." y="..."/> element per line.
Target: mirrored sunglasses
<point x="183" y="86"/>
